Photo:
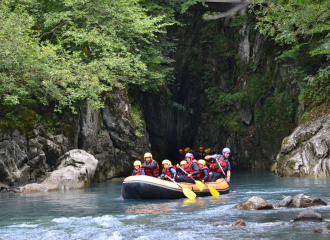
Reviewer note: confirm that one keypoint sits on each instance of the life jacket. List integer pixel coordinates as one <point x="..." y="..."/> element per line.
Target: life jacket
<point x="137" y="171"/>
<point x="154" y="172"/>
<point x="167" y="171"/>
<point x="201" y="172"/>
<point x="223" y="163"/>
<point x="188" y="168"/>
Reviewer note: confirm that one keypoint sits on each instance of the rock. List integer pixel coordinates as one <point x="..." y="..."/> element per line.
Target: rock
<point x="246" y="115"/>
<point x="308" y="215"/>
<point x="3" y="189"/>
<point x="324" y="229"/>
<point x="239" y="223"/>
<point x="285" y="202"/>
<point x="76" y="170"/>
<point x="318" y="202"/>
<point x="305" y="153"/>
<point x="255" y="203"/>
<point x="302" y="201"/>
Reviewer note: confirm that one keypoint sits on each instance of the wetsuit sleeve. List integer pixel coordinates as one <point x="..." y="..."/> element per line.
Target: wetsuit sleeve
<point x="205" y="174"/>
<point x="143" y="173"/>
<point x="195" y="169"/>
<point x="229" y="166"/>
<point x="132" y="173"/>
<point x="174" y="172"/>
<point x="151" y="166"/>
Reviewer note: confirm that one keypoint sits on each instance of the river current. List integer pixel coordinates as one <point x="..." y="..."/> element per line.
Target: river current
<point x="98" y="213"/>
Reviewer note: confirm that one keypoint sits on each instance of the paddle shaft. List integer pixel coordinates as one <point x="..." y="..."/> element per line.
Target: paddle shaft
<point x="225" y="176"/>
<point x="187" y="173"/>
<point x="174" y="182"/>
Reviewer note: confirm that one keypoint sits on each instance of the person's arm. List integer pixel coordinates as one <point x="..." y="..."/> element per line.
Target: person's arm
<point x="143" y="173"/>
<point x="228" y="175"/>
<point x="206" y="175"/>
<point x="174" y="173"/>
<point x="132" y="173"/>
<point x="151" y="166"/>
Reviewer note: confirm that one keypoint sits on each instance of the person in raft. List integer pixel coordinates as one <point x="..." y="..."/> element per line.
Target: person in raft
<point x="203" y="171"/>
<point x="179" y="157"/>
<point x="150" y="166"/>
<point x="179" y="173"/>
<point x="137" y="168"/>
<point x="168" y="170"/>
<point x="191" y="167"/>
<point x="215" y="170"/>
<point x="201" y="153"/>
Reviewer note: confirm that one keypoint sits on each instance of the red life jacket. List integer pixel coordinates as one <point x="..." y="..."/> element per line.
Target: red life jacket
<point x="154" y="172"/>
<point x="137" y="171"/>
<point x="201" y="172"/>
<point x="223" y="164"/>
<point x="167" y="171"/>
<point x="188" y="168"/>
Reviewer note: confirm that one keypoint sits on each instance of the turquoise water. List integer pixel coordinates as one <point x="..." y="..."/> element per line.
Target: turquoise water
<point x="98" y="213"/>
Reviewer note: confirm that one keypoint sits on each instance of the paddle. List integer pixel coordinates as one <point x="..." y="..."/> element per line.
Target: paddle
<point x="187" y="192"/>
<point x="199" y="184"/>
<point x="213" y="191"/>
<point x="226" y="177"/>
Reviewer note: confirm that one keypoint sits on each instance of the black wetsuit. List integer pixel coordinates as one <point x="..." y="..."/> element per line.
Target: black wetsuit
<point x="189" y="179"/>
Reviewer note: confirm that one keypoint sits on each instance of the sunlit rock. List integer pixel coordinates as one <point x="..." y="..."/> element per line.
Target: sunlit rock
<point x="305" y="153"/>
<point x="76" y="170"/>
<point x="254" y="203"/>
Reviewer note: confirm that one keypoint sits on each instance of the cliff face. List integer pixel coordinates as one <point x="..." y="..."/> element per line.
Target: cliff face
<point x="111" y="134"/>
<point x="305" y="153"/>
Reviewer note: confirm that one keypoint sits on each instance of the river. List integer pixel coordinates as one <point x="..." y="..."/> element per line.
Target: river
<point x="98" y="213"/>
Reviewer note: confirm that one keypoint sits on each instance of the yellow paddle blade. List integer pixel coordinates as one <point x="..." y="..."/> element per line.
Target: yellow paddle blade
<point x="189" y="194"/>
<point x="200" y="185"/>
<point x="214" y="192"/>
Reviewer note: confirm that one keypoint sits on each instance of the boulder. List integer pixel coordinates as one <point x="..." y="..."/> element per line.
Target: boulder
<point x="302" y="201"/>
<point x="76" y="170"/>
<point x="239" y="223"/>
<point x="324" y="229"/>
<point x="285" y="202"/>
<point x="308" y="215"/>
<point x="318" y="202"/>
<point x="3" y="189"/>
<point x="305" y="153"/>
<point x="254" y="203"/>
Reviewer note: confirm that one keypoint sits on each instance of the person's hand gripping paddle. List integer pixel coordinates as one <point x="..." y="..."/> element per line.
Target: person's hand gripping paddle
<point x="225" y="176"/>
<point x="199" y="184"/>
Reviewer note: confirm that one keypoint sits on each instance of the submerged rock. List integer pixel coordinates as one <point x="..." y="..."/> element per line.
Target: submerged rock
<point x="76" y="170"/>
<point x="239" y="223"/>
<point x="254" y="203"/>
<point x="285" y="202"/>
<point x="308" y="215"/>
<point x="324" y="229"/>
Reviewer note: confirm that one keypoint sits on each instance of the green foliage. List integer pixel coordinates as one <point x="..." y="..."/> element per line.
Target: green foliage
<point x="67" y="51"/>
<point x="137" y="117"/>
<point x="303" y="27"/>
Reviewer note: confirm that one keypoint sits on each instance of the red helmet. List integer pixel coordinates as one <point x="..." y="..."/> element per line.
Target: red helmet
<point x="190" y="155"/>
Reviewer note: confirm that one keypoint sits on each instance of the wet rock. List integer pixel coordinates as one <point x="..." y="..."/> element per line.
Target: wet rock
<point x="324" y="229"/>
<point x="76" y="170"/>
<point x="3" y="189"/>
<point x="302" y="201"/>
<point x="318" y="202"/>
<point x="254" y="203"/>
<point x="308" y="215"/>
<point x="246" y="115"/>
<point x="285" y="202"/>
<point x="239" y="223"/>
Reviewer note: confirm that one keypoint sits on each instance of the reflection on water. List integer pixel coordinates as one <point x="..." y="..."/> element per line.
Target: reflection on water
<point x="98" y="213"/>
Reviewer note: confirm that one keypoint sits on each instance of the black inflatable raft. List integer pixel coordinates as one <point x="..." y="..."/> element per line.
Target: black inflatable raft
<point x="146" y="187"/>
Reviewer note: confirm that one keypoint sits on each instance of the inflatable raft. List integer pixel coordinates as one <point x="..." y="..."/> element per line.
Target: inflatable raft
<point x="146" y="187"/>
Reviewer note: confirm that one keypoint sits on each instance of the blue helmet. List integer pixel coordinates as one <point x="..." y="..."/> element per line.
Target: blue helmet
<point x="226" y="150"/>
